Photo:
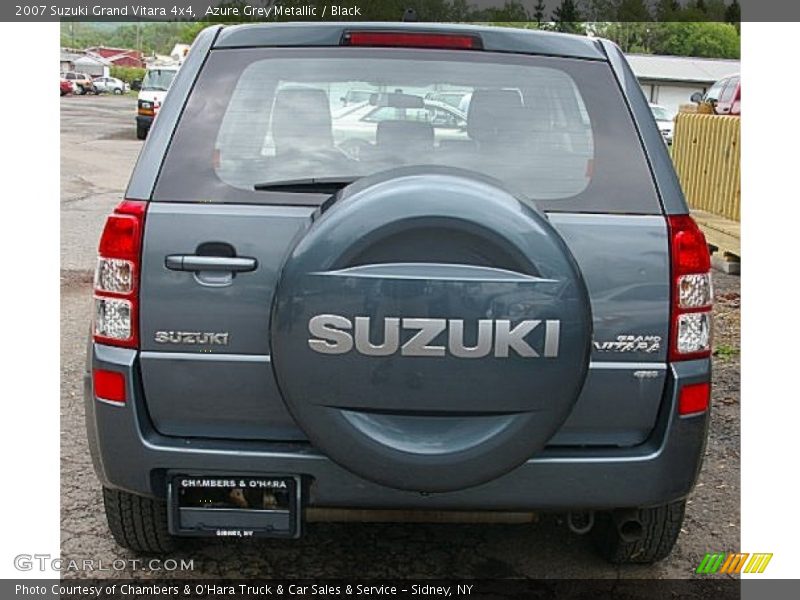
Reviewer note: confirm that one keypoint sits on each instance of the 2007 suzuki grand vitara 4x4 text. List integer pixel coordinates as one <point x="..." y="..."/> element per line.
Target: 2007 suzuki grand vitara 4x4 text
<point x="477" y="288"/>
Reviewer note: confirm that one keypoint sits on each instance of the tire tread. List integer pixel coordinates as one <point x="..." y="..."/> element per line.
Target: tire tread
<point x="138" y="523"/>
<point x="662" y="526"/>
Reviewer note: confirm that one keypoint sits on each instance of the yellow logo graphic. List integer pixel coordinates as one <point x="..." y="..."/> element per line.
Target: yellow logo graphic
<point x="733" y="563"/>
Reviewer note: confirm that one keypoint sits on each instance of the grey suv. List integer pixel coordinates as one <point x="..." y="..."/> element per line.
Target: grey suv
<point x="303" y="306"/>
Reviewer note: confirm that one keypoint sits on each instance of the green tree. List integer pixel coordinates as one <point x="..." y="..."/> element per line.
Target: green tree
<point x="538" y="12"/>
<point x="705" y="39"/>
<point x="128" y="74"/>
<point x="715" y="10"/>
<point x="667" y="10"/>
<point x="696" y="10"/>
<point x="512" y="11"/>
<point x="597" y="10"/>
<point x="188" y="34"/>
<point x="630" y="36"/>
<point x="733" y="13"/>
<point x="567" y="18"/>
<point x="632" y="11"/>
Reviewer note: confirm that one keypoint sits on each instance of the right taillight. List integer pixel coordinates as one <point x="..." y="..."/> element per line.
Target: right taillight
<point x="692" y="294"/>
<point x="116" y="278"/>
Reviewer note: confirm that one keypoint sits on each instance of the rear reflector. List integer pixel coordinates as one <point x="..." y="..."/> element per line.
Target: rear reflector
<point x="109" y="385"/>
<point x="694" y="398"/>
<point x="411" y="40"/>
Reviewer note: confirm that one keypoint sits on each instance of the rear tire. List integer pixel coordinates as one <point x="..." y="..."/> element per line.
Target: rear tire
<point x="661" y="525"/>
<point x="141" y="132"/>
<point x="138" y="523"/>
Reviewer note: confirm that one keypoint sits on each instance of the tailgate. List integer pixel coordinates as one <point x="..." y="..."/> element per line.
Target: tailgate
<point x="205" y="359"/>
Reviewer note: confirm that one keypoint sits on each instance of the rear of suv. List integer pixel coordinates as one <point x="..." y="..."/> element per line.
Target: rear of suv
<point x="303" y="306"/>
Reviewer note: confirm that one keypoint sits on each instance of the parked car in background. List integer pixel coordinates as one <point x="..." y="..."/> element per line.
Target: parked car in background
<point x="110" y="85"/>
<point x="355" y="97"/>
<point x="454" y="99"/>
<point x="724" y="97"/>
<point x="82" y="83"/>
<point x="154" y="88"/>
<point x="665" y="121"/>
<point x="66" y="87"/>
<point x="357" y="130"/>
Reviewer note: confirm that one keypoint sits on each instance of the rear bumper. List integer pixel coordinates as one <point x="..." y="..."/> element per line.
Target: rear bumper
<point x="130" y="455"/>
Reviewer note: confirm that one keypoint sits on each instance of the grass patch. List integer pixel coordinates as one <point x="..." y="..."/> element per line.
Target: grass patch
<point x="726" y="351"/>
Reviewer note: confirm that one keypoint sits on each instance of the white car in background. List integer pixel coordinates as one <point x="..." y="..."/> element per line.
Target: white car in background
<point x="355" y="128"/>
<point x="665" y="121"/>
<point x="110" y="85"/>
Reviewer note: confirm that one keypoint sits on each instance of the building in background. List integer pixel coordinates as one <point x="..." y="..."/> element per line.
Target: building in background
<point x="68" y="58"/>
<point x="97" y="61"/>
<point x="94" y="66"/>
<point x="670" y="80"/>
<point x="118" y="57"/>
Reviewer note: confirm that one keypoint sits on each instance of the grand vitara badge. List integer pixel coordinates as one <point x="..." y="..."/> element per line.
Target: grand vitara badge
<point x="335" y="334"/>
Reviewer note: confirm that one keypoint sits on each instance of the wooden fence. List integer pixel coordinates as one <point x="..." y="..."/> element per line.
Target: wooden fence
<point x="706" y="153"/>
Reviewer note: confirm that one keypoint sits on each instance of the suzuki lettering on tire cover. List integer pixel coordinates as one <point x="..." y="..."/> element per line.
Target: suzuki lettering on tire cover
<point x="431" y="331"/>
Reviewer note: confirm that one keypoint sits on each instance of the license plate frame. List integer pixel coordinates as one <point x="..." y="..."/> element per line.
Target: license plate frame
<point x="237" y="506"/>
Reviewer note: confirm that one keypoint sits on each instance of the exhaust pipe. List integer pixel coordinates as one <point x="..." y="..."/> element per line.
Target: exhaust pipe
<point x="580" y="523"/>
<point x="629" y="526"/>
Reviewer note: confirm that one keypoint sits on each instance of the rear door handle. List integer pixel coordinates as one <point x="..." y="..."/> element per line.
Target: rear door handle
<point x="194" y="262"/>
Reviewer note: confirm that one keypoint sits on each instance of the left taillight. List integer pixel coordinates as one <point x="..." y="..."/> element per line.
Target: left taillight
<point x="692" y="293"/>
<point x="116" y="279"/>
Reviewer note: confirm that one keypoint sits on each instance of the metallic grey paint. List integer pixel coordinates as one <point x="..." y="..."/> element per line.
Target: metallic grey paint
<point x="129" y="454"/>
<point x="623" y="443"/>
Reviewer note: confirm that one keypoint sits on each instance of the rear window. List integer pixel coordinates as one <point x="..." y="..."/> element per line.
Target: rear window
<point x="556" y="131"/>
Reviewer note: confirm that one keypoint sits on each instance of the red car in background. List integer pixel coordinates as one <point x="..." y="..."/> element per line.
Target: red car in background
<point x="725" y="96"/>
<point x="66" y="87"/>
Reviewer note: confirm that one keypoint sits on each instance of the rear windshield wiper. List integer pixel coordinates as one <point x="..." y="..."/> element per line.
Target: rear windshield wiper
<point x="309" y="185"/>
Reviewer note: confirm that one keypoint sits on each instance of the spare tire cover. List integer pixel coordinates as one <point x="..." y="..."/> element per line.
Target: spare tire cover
<point x="430" y="331"/>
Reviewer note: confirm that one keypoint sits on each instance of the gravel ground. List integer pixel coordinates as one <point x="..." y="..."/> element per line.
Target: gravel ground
<point x="98" y="148"/>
